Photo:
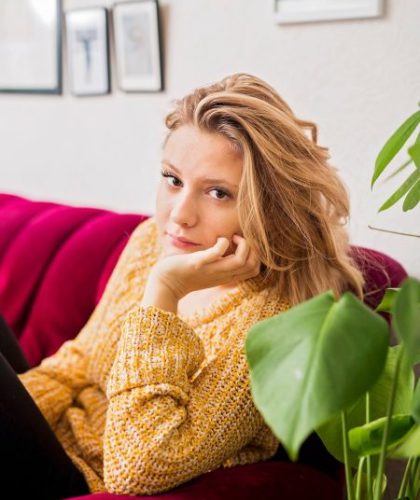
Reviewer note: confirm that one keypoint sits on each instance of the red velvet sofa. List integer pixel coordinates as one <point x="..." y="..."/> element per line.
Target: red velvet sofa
<point x="55" y="260"/>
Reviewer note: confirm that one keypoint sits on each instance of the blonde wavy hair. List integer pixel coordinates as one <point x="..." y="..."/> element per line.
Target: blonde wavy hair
<point x="292" y="205"/>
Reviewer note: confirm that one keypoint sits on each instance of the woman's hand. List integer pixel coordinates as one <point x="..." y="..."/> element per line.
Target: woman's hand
<point x="185" y="273"/>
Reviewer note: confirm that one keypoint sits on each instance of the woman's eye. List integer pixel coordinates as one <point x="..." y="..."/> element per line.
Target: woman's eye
<point x="169" y="176"/>
<point x="222" y="194"/>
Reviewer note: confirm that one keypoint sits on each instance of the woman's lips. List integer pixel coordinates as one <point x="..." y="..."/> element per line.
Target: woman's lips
<point x="181" y="242"/>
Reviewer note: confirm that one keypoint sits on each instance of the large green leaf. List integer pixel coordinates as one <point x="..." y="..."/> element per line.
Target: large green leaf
<point x="402" y="190"/>
<point x="308" y="363"/>
<point x="406" y="318"/>
<point x="394" y="144"/>
<point x="367" y="439"/>
<point x="413" y="197"/>
<point x="330" y="433"/>
<point x="410" y="447"/>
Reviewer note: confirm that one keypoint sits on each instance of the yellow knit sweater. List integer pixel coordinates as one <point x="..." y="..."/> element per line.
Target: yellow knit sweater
<point x="144" y="399"/>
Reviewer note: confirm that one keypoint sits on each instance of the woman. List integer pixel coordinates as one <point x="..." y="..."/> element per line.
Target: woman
<point x="154" y="390"/>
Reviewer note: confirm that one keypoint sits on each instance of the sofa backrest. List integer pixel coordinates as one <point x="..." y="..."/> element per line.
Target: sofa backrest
<point x="55" y="260"/>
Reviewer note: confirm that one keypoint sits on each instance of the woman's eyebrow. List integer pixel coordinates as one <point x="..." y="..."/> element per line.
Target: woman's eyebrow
<point x="206" y="180"/>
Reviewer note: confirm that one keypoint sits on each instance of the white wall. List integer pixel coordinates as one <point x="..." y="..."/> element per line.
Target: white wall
<point x="357" y="79"/>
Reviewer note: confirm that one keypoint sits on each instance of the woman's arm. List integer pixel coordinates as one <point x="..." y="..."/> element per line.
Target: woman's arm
<point x="59" y="378"/>
<point x="163" y="425"/>
<point x="56" y="381"/>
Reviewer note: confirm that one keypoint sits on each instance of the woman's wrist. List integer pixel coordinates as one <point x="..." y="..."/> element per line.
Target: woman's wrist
<point x="159" y="295"/>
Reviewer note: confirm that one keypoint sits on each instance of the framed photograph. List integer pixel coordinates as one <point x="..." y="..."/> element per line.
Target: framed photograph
<point x="88" y="51"/>
<point x="138" y="45"/>
<point x="30" y="46"/>
<point x="303" y="11"/>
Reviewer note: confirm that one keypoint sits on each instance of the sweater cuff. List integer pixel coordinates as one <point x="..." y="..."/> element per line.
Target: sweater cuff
<point x="156" y="347"/>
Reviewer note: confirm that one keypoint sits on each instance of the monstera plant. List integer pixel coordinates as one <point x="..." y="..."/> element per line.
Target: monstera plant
<point x="326" y="365"/>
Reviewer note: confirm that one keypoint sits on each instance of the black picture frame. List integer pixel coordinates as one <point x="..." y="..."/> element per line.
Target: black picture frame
<point x="31" y="60"/>
<point x="138" y="46"/>
<point x="87" y="48"/>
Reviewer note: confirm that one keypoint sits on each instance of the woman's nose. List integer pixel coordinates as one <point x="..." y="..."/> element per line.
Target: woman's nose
<point x="184" y="210"/>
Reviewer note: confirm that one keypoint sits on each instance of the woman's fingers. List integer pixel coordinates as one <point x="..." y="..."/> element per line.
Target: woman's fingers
<point x="213" y="253"/>
<point x="251" y="268"/>
<point x="242" y="264"/>
<point x="234" y="262"/>
<point x="242" y="251"/>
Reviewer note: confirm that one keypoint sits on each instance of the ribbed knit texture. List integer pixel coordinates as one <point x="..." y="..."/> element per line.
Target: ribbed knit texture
<point x="144" y="399"/>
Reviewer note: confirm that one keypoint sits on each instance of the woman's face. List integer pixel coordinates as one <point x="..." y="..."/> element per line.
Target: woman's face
<point x="197" y="200"/>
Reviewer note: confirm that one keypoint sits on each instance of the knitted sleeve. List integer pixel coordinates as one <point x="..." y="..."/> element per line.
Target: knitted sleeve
<point x="56" y="381"/>
<point x="167" y="422"/>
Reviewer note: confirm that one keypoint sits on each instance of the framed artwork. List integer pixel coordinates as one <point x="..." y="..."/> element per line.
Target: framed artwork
<point x="88" y="51"/>
<point x="138" y="48"/>
<point x="302" y="11"/>
<point x="30" y="46"/>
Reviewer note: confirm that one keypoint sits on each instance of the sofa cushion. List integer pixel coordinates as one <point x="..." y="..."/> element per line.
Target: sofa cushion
<point x="54" y="263"/>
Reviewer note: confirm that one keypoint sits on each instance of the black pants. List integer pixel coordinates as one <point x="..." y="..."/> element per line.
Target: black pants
<point x="34" y="463"/>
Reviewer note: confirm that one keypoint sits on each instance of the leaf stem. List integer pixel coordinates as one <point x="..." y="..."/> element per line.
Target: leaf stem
<point x="414" y="480"/>
<point x="404" y="481"/>
<point x="381" y="465"/>
<point x="369" y="460"/>
<point x="359" y="477"/>
<point x="349" y="479"/>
